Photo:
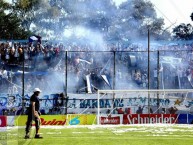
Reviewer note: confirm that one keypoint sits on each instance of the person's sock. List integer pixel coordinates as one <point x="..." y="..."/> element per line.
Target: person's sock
<point x="27" y="134"/>
<point x="37" y="131"/>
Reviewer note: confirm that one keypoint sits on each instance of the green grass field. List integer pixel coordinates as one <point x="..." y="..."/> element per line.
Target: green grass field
<point x="102" y="135"/>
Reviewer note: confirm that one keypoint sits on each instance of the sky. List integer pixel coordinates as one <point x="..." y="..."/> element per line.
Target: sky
<point x="174" y="12"/>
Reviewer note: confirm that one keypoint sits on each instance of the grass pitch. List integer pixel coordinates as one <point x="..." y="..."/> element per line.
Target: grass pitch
<point x="102" y="135"/>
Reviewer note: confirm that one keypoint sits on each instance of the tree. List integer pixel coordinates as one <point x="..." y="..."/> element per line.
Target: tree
<point x="191" y="16"/>
<point x="10" y="25"/>
<point x="134" y="19"/>
<point x="26" y="9"/>
<point x="52" y="17"/>
<point x="40" y="16"/>
<point x="183" y="32"/>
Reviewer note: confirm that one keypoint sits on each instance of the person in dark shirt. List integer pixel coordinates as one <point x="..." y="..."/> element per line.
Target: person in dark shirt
<point x="173" y="110"/>
<point x="34" y="114"/>
<point x="140" y="110"/>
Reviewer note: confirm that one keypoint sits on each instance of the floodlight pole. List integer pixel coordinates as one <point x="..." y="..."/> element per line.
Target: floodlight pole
<point x="158" y="80"/>
<point x="114" y="75"/>
<point x="66" y="82"/>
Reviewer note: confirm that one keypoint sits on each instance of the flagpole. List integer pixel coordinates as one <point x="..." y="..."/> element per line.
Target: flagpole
<point x="148" y="71"/>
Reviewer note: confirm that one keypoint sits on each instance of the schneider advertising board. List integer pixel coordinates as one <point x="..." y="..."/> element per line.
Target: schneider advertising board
<point x="139" y="119"/>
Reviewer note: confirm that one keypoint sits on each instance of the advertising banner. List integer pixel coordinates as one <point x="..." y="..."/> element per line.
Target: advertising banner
<point x="20" y="120"/>
<point x="77" y="103"/>
<point x="3" y="121"/>
<point x="45" y="120"/>
<point x="149" y="118"/>
<point x="185" y="119"/>
<point x="189" y="119"/>
<point x="81" y="119"/>
<point x="111" y="119"/>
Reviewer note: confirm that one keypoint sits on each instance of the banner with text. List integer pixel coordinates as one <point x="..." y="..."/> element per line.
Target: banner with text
<point x="149" y="118"/>
<point x="88" y="103"/>
<point x="45" y="120"/>
<point x="111" y="119"/>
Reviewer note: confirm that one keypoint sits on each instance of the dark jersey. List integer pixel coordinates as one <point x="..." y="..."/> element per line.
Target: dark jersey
<point x="34" y="98"/>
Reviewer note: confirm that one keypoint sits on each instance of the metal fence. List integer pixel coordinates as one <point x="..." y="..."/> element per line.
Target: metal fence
<point x="79" y="74"/>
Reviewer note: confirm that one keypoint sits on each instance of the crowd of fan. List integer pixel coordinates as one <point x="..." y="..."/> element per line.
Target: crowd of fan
<point x="82" y="61"/>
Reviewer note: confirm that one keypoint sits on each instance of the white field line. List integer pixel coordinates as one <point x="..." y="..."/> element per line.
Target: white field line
<point x="106" y="126"/>
<point x="162" y="128"/>
<point x="181" y="136"/>
<point x="113" y="138"/>
<point x="125" y="138"/>
<point x="83" y="132"/>
<point x="56" y="133"/>
<point x="152" y="130"/>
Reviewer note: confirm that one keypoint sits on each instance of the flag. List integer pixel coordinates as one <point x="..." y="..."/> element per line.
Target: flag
<point x="35" y="38"/>
<point x="88" y="84"/>
<point x="106" y="80"/>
